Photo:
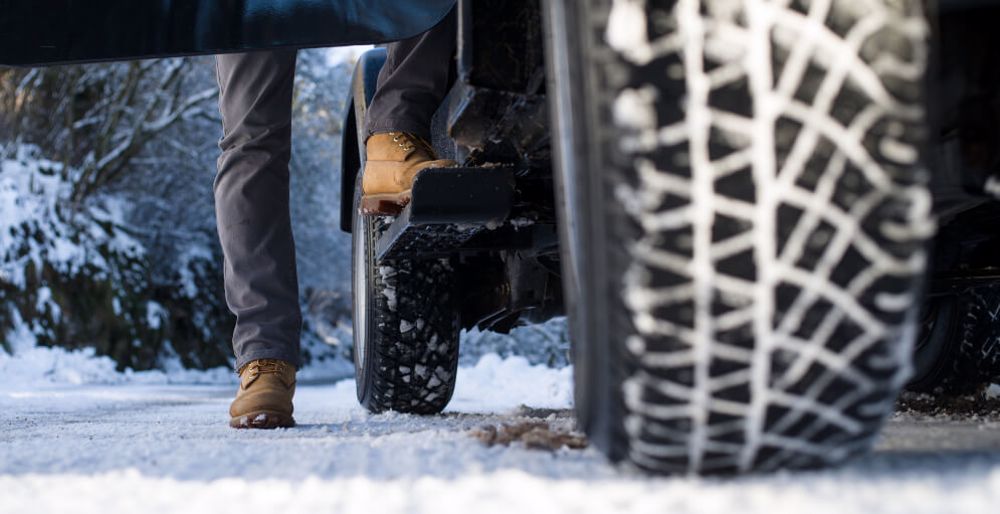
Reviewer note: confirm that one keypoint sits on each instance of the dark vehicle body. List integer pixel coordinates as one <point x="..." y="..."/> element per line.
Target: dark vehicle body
<point x="46" y="32"/>
<point x="43" y="32"/>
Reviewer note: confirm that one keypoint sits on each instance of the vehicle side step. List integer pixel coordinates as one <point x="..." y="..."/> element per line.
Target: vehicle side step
<point x="449" y="206"/>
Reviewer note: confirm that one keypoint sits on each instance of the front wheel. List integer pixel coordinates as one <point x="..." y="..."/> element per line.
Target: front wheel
<point x="744" y="219"/>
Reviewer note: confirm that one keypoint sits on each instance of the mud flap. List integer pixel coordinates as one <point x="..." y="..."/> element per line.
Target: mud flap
<point x="449" y="207"/>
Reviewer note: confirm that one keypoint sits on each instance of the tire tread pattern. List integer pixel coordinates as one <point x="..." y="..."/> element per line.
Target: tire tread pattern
<point x="413" y="352"/>
<point x="769" y="219"/>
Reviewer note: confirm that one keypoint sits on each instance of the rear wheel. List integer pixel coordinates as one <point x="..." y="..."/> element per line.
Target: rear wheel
<point x="937" y="344"/>
<point x="406" y="325"/>
<point x="744" y="219"/>
<point x="958" y="349"/>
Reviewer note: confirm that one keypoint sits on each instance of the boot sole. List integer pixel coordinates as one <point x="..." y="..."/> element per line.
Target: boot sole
<point x="262" y="420"/>
<point x="385" y="204"/>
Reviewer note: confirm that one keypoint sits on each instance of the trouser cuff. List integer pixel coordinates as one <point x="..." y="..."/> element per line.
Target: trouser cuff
<point x="397" y="125"/>
<point x="268" y="352"/>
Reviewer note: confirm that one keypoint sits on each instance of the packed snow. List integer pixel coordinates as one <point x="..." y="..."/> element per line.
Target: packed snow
<point x="77" y="436"/>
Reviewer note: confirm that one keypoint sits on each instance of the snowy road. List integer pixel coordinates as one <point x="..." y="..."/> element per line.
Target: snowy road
<point x="166" y="448"/>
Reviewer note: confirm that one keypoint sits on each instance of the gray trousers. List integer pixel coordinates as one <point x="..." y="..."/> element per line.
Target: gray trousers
<point x="252" y="185"/>
<point x="417" y="75"/>
<point x="251" y="204"/>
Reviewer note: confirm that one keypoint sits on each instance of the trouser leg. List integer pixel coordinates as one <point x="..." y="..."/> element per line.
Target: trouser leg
<point x="414" y="81"/>
<point x="252" y="205"/>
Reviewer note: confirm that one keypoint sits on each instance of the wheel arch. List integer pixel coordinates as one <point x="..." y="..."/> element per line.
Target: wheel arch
<point x="362" y="91"/>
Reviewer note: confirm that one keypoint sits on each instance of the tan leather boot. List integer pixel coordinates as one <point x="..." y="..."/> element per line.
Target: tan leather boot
<point x="394" y="160"/>
<point x="264" y="399"/>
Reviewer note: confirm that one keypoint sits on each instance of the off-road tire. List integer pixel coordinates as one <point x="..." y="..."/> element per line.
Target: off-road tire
<point x="958" y="349"/>
<point x="936" y="349"/>
<point x="744" y="223"/>
<point x="406" y="353"/>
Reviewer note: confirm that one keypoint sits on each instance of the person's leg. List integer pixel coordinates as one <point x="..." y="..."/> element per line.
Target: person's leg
<point x="411" y="86"/>
<point x="414" y="81"/>
<point x="252" y="205"/>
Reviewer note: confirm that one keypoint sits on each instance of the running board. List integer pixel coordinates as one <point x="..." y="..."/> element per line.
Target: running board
<point x="449" y="206"/>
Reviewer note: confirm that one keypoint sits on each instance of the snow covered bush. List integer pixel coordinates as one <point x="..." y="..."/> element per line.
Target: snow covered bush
<point x="547" y="344"/>
<point x="74" y="276"/>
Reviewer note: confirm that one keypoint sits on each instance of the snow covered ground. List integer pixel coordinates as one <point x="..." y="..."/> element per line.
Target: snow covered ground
<point x="145" y="444"/>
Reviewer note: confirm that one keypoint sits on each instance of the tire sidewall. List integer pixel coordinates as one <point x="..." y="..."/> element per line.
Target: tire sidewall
<point x="363" y="323"/>
<point x="581" y="211"/>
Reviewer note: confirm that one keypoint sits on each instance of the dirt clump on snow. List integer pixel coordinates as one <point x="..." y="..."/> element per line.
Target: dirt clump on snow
<point x="536" y="435"/>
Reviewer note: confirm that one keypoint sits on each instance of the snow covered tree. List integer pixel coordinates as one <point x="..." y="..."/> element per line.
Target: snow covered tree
<point x="118" y="145"/>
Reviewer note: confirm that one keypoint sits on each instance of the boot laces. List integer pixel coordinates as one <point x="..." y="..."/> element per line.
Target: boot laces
<point x="266" y="366"/>
<point x="409" y="142"/>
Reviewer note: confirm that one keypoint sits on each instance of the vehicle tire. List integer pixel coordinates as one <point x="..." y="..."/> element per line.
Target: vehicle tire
<point x="406" y="326"/>
<point x="936" y="349"/>
<point x="958" y="349"/>
<point x="744" y="219"/>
